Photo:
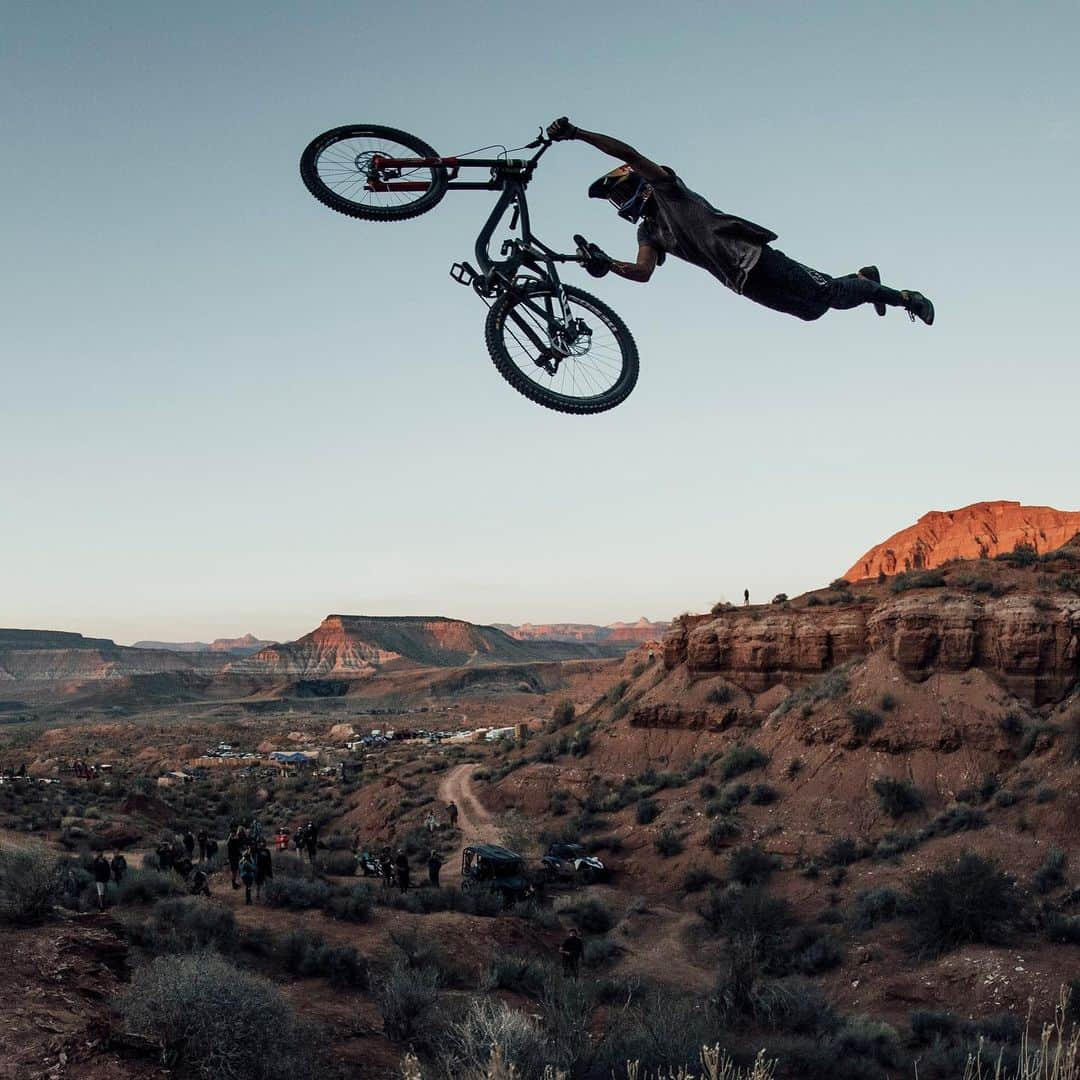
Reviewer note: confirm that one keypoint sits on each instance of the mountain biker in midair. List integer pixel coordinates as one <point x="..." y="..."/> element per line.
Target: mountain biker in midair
<point x="673" y="220"/>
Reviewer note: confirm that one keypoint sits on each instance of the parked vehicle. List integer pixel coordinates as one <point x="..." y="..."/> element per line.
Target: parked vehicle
<point x="571" y="862"/>
<point x="498" y="869"/>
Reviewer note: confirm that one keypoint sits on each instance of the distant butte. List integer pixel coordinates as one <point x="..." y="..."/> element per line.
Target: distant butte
<point x="979" y="531"/>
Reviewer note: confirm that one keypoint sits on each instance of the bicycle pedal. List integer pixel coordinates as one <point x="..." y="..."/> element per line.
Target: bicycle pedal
<point x="463" y="273"/>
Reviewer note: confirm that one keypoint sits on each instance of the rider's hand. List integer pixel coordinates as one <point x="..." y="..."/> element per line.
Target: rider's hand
<point x="592" y="257"/>
<point x="561" y="130"/>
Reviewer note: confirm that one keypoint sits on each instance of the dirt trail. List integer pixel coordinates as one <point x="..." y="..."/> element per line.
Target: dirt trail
<point x="476" y="823"/>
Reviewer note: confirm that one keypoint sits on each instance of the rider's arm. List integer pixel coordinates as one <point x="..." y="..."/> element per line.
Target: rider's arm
<point x="641" y="270"/>
<point x="615" y="147"/>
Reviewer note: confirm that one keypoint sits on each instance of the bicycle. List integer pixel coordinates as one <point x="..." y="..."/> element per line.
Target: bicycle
<point x="556" y="344"/>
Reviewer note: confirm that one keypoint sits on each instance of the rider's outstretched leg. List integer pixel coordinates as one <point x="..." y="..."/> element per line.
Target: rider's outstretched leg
<point x="851" y="290"/>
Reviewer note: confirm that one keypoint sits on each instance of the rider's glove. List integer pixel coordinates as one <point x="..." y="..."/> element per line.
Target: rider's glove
<point x="595" y="260"/>
<point x="561" y="129"/>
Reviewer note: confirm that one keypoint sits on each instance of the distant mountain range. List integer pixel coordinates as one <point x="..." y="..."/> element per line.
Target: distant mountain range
<point x="628" y="634"/>
<point x="241" y="646"/>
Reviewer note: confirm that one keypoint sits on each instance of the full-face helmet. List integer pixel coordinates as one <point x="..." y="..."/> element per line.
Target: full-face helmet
<point x="625" y="190"/>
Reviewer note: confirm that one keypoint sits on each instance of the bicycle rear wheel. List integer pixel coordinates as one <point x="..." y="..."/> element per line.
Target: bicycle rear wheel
<point x="590" y="373"/>
<point x="337" y="167"/>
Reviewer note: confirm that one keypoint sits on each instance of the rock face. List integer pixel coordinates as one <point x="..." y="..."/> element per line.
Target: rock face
<point x="358" y="645"/>
<point x="1029" y="644"/>
<point x="979" y="531"/>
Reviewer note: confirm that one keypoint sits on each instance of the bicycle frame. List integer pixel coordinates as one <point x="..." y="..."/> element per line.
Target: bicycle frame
<point x="511" y="177"/>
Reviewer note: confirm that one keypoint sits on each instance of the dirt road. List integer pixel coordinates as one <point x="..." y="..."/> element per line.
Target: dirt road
<point x="475" y="822"/>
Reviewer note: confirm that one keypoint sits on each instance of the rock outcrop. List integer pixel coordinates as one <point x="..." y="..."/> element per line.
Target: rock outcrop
<point x="1030" y="644"/>
<point x="241" y="646"/>
<point x="979" y="531"/>
<point x="357" y="646"/>
<point x="627" y="634"/>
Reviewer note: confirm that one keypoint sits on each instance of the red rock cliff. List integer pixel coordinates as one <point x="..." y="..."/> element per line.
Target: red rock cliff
<point x="979" y="531"/>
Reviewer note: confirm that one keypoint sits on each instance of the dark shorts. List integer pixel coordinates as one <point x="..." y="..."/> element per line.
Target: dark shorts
<point x="785" y="285"/>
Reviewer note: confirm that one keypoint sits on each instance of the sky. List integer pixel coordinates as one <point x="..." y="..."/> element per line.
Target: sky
<point x="225" y="408"/>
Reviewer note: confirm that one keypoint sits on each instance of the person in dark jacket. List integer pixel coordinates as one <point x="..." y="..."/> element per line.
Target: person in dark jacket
<point x="200" y="884"/>
<point x="247" y="874"/>
<point x="571" y="951"/>
<point x="673" y="220"/>
<point x="203" y="838"/>
<point x="189" y="843"/>
<point x="386" y="864"/>
<point x="165" y="855"/>
<point x="434" y="865"/>
<point x="118" y="867"/>
<point x="264" y="868"/>
<point x="234" y="846"/>
<point x="102" y="873"/>
<point x="401" y="864"/>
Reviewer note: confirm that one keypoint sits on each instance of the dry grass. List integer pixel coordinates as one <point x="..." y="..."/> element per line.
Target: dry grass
<point x="1056" y="1055"/>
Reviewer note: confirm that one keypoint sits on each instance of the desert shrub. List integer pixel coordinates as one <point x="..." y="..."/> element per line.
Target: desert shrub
<point x="1063" y="929"/>
<point x="1020" y="556"/>
<point x="352" y="905"/>
<point x="812" y="951"/>
<point x="1005" y="798"/>
<point x="895" y="843"/>
<point x="186" y="924"/>
<point x="723" y="828"/>
<point x="719" y="695"/>
<point x="668" y="842"/>
<point x="337" y="863"/>
<point x="697" y="878"/>
<point x="956" y="818"/>
<point x="708" y="789"/>
<point x="1012" y="723"/>
<point x="793" y="1005"/>
<point x="731" y="796"/>
<point x="563" y="714"/>
<point x="1045" y="795"/>
<point x="30" y="883"/>
<point x="218" y="1021"/>
<point x="752" y="865"/>
<point x="763" y="794"/>
<point x="296" y="894"/>
<point x="876" y="906"/>
<point x="521" y="974"/>
<point x="600" y="951"/>
<point x="615" y="694"/>
<point x="971" y="901"/>
<point x="421" y="953"/>
<point x="1032" y="736"/>
<point x="794" y="767"/>
<point x="306" y="953"/>
<point x="841" y="851"/>
<point x="897" y="797"/>
<point x="931" y="1025"/>
<point x="780" y="598"/>
<point x="492" y="1039"/>
<point x="287" y="865"/>
<point x="742" y="759"/>
<point x="864" y="722"/>
<point x="865" y="1037"/>
<point x="593" y="917"/>
<point x="915" y="579"/>
<point x="407" y="1001"/>
<point x="1051" y="873"/>
<point x="646" y="811"/>
<point x="888" y="702"/>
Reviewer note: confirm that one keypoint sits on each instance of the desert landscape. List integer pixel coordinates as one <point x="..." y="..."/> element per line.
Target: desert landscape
<point x="830" y="835"/>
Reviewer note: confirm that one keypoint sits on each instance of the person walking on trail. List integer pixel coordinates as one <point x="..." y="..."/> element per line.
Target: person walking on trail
<point x="165" y="854"/>
<point x="282" y="839"/>
<point x="401" y="864"/>
<point x="203" y="837"/>
<point x="234" y="847"/>
<point x="571" y="951"/>
<point x="200" y="884"/>
<point x="746" y="597"/>
<point x="386" y="863"/>
<point x="264" y="869"/>
<point x="434" y="865"/>
<point x="673" y="220"/>
<point x="102" y="874"/>
<point x="189" y="843"/>
<point x="247" y="874"/>
<point x="431" y="822"/>
<point x="311" y="841"/>
<point x="118" y="866"/>
<point x="452" y="814"/>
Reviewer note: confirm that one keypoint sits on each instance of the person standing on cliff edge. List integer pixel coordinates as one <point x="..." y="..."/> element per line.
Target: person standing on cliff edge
<point x="746" y="597"/>
<point x="673" y="220"/>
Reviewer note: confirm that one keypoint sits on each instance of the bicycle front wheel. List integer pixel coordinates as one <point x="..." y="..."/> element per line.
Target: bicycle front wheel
<point x="586" y="363"/>
<point x="338" y="168"/>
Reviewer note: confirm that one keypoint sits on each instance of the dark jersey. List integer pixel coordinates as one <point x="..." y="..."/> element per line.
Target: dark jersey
<point x="684" y="224"/>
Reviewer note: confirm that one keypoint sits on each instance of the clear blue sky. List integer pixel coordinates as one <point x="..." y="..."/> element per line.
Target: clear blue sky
<point x="226" y="408"/>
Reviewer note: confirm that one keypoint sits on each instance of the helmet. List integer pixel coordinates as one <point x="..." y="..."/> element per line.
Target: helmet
<point x="624" y="189"/>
